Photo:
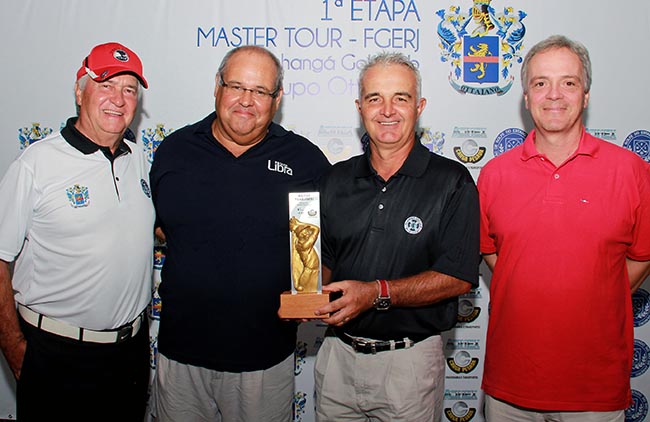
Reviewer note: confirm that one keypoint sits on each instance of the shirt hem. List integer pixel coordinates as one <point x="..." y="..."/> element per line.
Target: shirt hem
<point x="557" y="406"/>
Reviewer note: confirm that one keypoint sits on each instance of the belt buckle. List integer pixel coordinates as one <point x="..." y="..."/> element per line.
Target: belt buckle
<point x="364" y="346"/>
<point x="124" y="333"/>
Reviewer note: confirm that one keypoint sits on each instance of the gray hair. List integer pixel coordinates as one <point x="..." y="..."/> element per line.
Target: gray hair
<point x="559" y="41"/>
<point x="83" y="81"/>
<point x="278" y="66"/>
<point x="386" y="58"/>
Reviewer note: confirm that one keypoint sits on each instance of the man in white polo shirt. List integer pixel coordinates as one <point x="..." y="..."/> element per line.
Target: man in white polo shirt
<point x="77" y="219"/>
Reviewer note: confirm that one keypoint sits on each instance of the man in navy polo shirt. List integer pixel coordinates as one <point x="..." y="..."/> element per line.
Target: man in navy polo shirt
<point x="79" y="227"/>
<point x="220" y="187"/>
<point x="400" y="242"/>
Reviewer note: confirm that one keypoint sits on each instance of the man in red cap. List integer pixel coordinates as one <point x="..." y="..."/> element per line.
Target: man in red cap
<point x="79" y="228"/>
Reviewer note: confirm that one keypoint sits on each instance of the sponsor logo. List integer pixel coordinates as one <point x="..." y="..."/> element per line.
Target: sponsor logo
<point x="279" y="167"/>
<point x="159" y="257"/>
<point x="300" y="357"/>
<point x="469" y="152"/>
<point x="413" y="225"/>
<point x="78" y="196"/>
<point x="462" y="362"/>
<point x="335" y="146"/>
<point x="434" y="141"/>
<point x="461" y="395"/>
<point x="156" y="304"/>
<point x="158" y="261"/>
<point x="336" y="131"/>
<point x="340" y="141"/>
<point x="639" y="143"/>
<point x="508" y="139"/>
<point x="463" y="344"/>
<point x="641" y="307"/>
<point x="638" y="410"/>
<point x="153" y="351"/>
<point x="474" y="293"/>
<point x="467" y="312"/>
<point x="469" y="132"/>
<point x="607" y="134"/>
<point x="641" y="358"/>
<point x="299" y="405"/>
<point x="152" y="137"/>
<point x="460" y="412"/>
<point x="481" y="44"/>
<point x="29" y="135"/>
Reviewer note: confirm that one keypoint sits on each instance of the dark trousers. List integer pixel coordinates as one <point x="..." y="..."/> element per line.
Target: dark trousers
<point x="65" y="379"/>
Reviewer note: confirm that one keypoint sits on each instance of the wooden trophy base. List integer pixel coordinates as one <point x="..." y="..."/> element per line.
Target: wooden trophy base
<point x="302" y="305"/>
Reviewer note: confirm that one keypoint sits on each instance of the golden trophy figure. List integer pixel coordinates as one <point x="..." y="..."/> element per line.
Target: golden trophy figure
<point x="305" y="264"/>
<point x="304" y="227"/>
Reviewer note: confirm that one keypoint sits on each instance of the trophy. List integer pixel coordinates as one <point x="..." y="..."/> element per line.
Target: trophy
<point x="306" y="278"/>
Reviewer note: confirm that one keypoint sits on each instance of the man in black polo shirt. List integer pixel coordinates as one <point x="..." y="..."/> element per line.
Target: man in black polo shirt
<point x="400" y="242"/>
<point x="221" y="190"/>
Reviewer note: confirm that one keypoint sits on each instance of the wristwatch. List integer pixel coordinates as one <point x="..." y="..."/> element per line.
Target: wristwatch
<point x="382" y="301"/>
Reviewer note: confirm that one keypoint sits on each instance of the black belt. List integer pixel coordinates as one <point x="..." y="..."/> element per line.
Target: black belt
<point x="370" y="346"/>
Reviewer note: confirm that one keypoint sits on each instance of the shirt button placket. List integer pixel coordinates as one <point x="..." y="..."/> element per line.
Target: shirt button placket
<point x="381" y="205"/>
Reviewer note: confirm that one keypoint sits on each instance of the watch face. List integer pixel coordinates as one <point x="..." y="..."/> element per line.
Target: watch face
<point x="381" y="303"/>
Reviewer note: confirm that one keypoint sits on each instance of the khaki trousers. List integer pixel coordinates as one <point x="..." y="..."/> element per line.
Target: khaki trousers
<point x="193" y="394"/>
<point x="403" y="385"/>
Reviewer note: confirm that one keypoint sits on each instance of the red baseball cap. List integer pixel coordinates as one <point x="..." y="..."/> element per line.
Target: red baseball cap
<point x="110" y="59"/>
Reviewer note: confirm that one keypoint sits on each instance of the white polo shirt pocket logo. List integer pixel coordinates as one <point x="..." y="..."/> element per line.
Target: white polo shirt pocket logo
<point x="78" y="196"/>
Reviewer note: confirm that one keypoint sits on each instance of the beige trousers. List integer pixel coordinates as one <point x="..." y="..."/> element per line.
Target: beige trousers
<point x="403" y="385"/>
<point x="186" y="393"/>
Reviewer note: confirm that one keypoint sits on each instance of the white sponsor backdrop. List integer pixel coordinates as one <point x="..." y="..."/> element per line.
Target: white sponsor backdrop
<point x="321" y="44"/>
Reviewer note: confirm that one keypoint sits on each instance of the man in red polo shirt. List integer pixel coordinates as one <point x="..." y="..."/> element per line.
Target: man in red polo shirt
<point x="565" y="227"/>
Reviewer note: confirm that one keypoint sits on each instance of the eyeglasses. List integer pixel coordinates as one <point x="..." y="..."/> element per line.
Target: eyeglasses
<point x="258" y="94"/>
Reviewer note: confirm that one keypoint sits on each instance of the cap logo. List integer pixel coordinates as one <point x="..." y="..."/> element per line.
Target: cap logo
<point x="121" y="55"/>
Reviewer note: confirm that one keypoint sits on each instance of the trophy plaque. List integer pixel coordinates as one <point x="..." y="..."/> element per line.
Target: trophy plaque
<point x="306" y="277"/>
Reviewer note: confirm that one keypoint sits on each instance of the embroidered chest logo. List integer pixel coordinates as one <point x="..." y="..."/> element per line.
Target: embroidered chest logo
<point x="78" y="196"/>
<point x="279" y="167"/>
<point x="145" y="188"/>
<point x="413" y="225"/>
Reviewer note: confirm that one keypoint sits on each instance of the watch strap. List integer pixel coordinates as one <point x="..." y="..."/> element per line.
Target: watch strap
<point x="384" y="291"/>
<point x="382" y="301"/>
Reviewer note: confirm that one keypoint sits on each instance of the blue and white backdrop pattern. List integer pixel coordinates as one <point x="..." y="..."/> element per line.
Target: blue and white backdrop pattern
<point x="469" y="53"/>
